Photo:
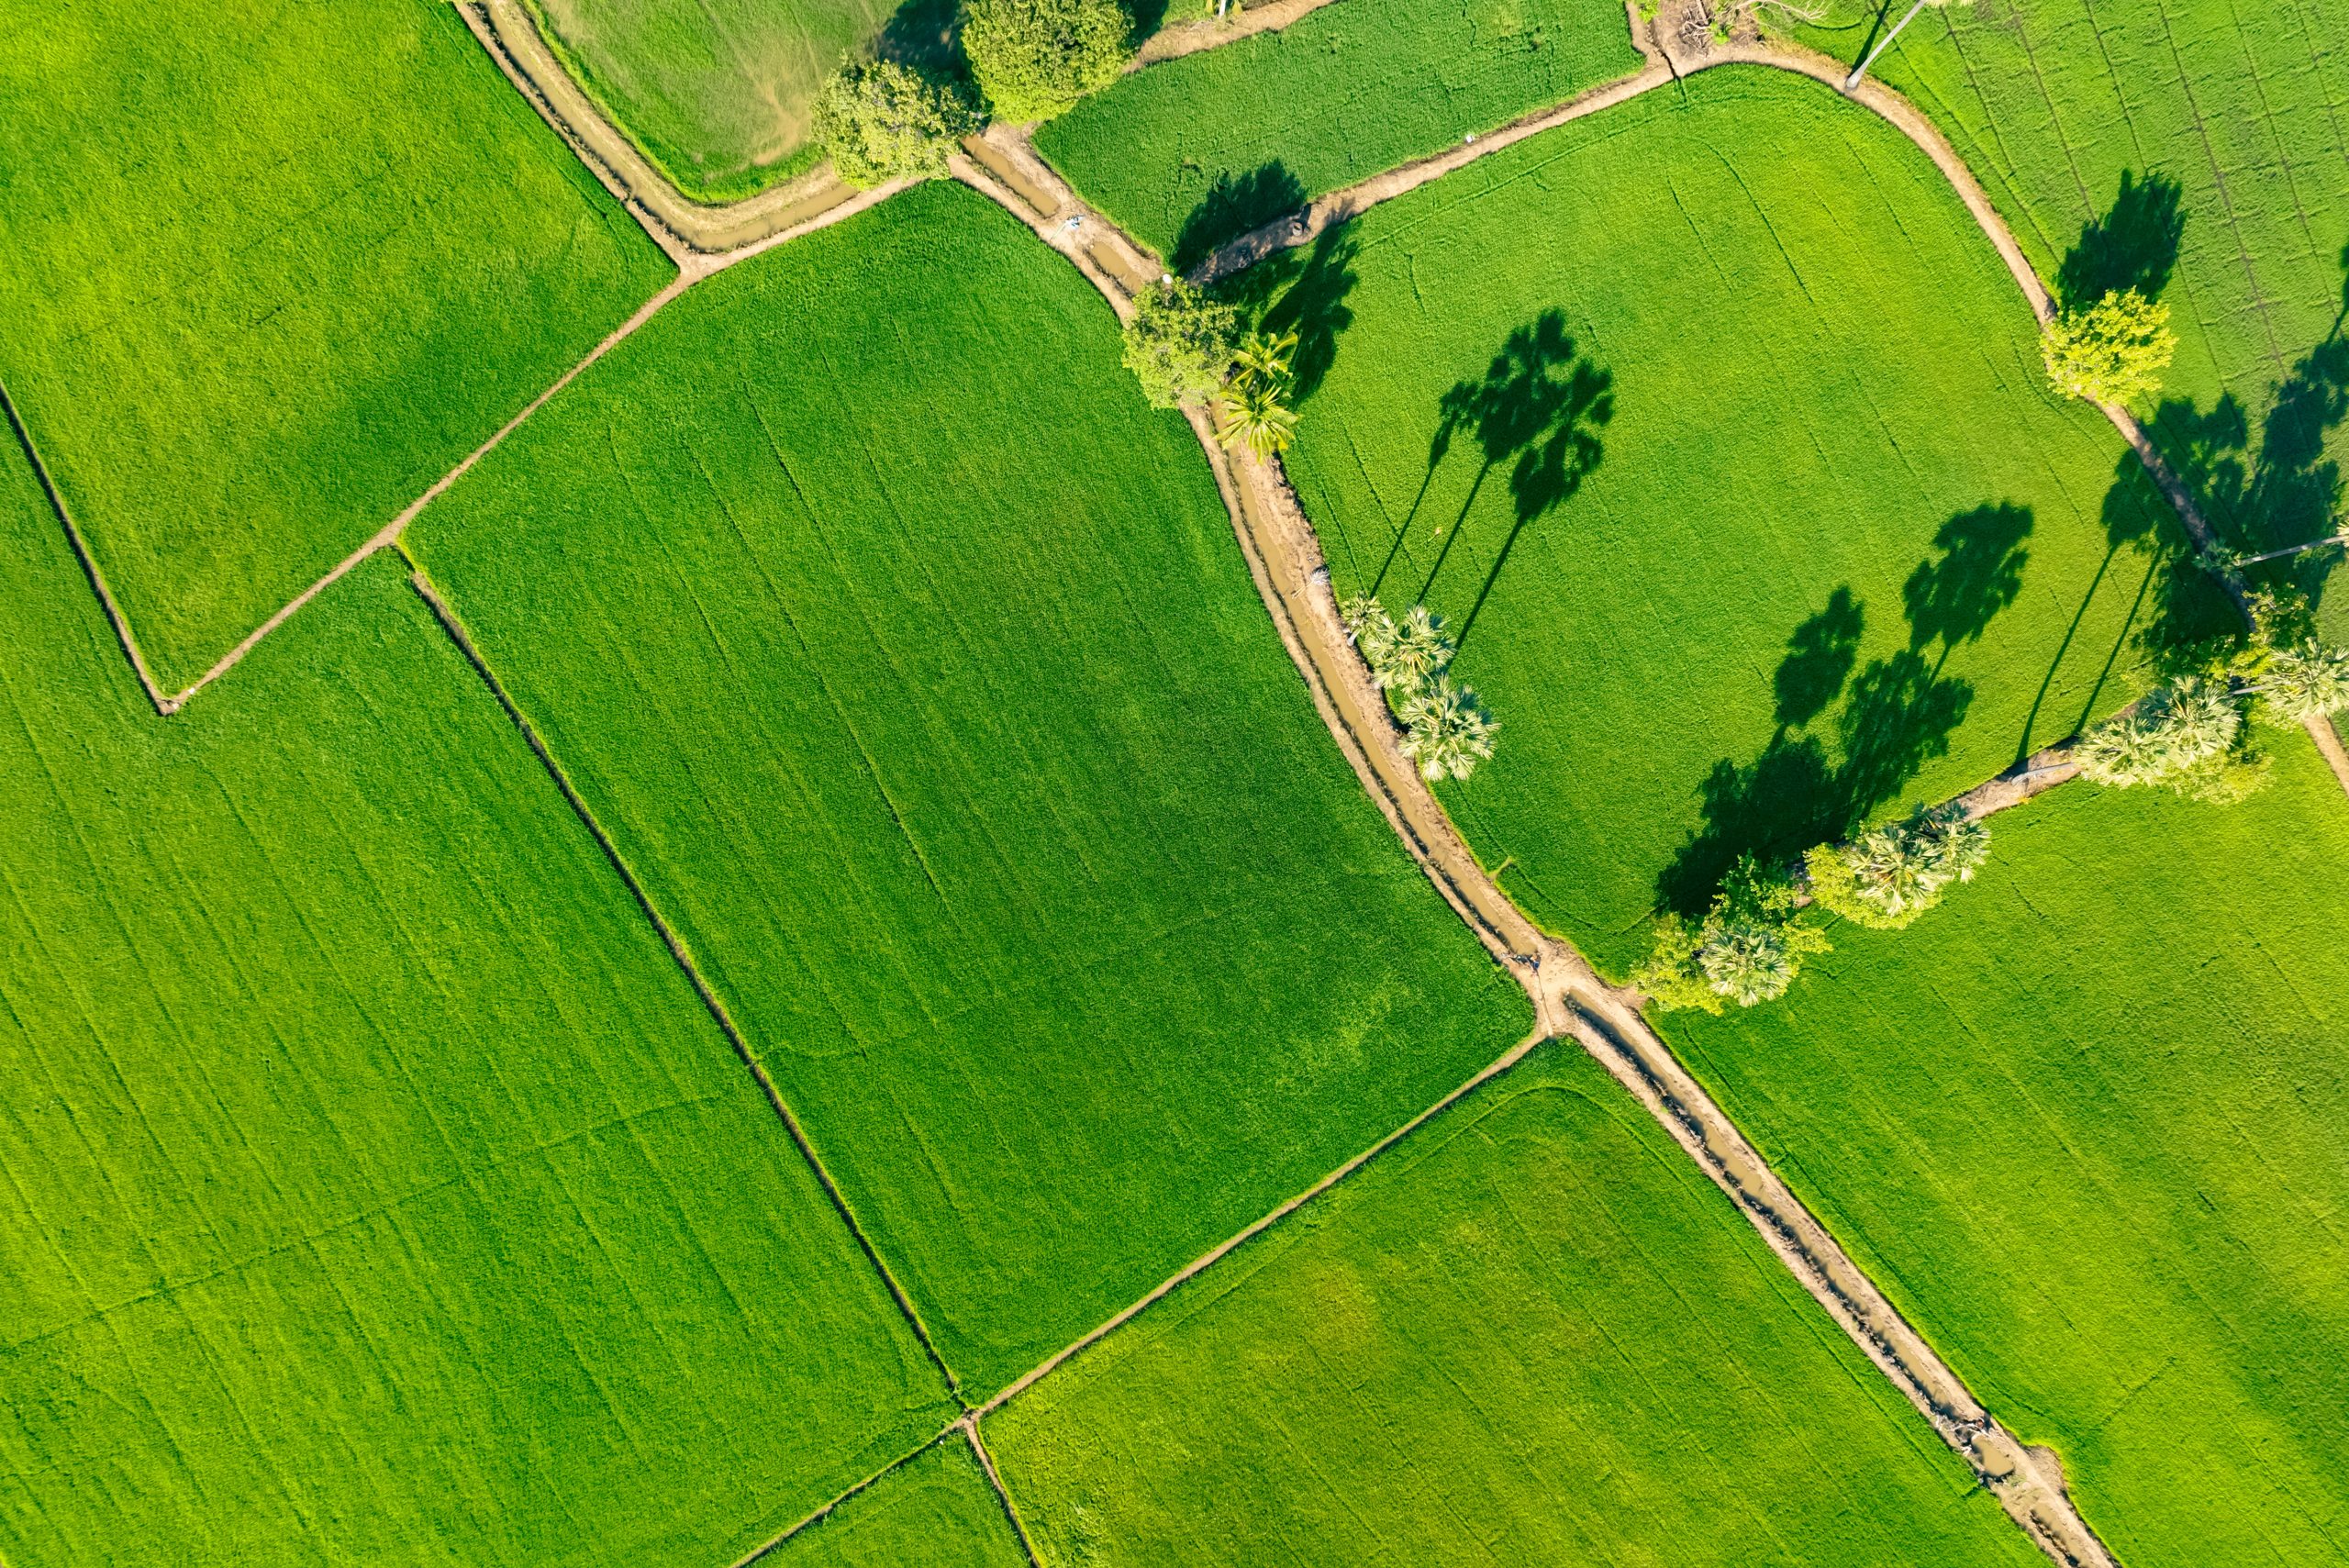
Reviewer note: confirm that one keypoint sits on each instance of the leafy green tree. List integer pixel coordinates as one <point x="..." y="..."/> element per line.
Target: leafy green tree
<point x="1180" y="343"/>
<point x="1749" y="949"/>
<point x="2186" y="735"/>
<point x="1893" y="873"/>
<point x="878" y="121"/>
<point x="1448" y="733"/>
<point x="1034" y="59"/>
<point x="2110" y="352"/>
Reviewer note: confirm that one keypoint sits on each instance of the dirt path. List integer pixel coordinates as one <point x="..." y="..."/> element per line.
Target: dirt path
<point x="1192" y="37"/>
<point x="688" y="230"/>
<point x="1283" y="555"/>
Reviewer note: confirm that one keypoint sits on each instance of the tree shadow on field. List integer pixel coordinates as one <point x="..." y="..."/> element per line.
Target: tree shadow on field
<point x="2132" y="246"/>
<point x="1538" y="409"/>
<point x="1234" y="205"/>
<point x="926" y="34"/>
<point x="1303" y="291"/>
<point x="2290" y="491"/>
<point x="1829" y="764"/>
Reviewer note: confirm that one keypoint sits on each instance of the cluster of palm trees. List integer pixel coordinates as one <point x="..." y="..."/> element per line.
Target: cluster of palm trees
<point x="1446" y="732"/>
<point x="1256" y="394"/>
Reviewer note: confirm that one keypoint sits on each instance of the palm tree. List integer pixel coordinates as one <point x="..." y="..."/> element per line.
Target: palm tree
<point x="1450" y="734"/>
<point x="1265" y="362"/>
<point x="1254" y="415"/>
<point x="1418" y="652"/>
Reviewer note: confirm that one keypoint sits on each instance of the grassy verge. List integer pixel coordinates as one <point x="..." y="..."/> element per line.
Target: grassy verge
<point x="2196" y="150"/>
<point x="911" y="662"/>
<point x="378" y="1191"/>
<point x="1534" y="1333"/>
<point x="2086" y="1125"/>
<point x="1193" y="152"/>
<point x="1718" y="433"/>
<point x="274" y="269"/>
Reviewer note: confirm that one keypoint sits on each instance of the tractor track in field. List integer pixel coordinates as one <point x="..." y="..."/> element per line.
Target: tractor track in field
<point x="1569" y="998"/>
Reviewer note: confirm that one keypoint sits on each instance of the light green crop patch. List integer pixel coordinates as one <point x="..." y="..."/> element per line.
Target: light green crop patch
<point x="910" y="659"/>
<point x="2197" y="150"/>
<point x="2085" y="1125"/>
<point x="1533" y="1333"/>
<point x="378" y="1191"/>
<point x="1716" y="430"/>
<point x="1200" y="150"/>
<point x="715" y="95"/>
<point x="274" y="266"/>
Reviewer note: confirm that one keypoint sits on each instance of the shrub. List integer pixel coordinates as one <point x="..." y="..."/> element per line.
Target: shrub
<point x="1890" y="874"/>
<point x="1750" y="947"/>
<point x="1180" y="343"/>
<point x="2110" y="352"/>
<point x="880" y="121"/>
<point x="1034" y="59"/>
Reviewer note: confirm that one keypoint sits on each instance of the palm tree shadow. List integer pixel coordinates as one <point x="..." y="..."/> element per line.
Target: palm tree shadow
<point x="1893" y="717"/>
<point x="1538" y="410"/>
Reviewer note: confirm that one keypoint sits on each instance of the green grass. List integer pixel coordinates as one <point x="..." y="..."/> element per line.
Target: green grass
<point x="1533" y="1334"/>
<point x="911" y="662"/>
<point x="2085" y="1124"/>
<point x="274" y="268"/>
<point x="718" y="94"/>
<point x="1784" y="436"/>
<point x="1191" y="152"/>
<point x="936" y="1511"/>
<point x="377" y="1189"/>
<point x="2241" y="108"/>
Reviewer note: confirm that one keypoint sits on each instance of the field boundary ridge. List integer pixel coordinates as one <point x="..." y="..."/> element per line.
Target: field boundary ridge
<point x="462" y="640"/>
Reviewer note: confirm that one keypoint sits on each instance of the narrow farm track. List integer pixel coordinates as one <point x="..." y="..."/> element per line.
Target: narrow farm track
<point x="1569" y="998"/>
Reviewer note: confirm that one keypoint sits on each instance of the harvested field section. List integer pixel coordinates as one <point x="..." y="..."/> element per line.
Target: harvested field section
<point x="274" y="268"/>
<point x="936" y="1511"/>
<point x="2198" y="149"/>
<point x="1531" y="1334"/>
<point x="2086" y="1125"/>
<point x="717" y="94"/>
<point x="1196" y="151"/>
<point x="1718" y="434"/>
<point x="378" y="1190"/>
<point x="912" y="663"/>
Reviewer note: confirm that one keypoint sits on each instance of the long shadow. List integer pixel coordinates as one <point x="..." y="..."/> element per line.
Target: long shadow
<point x="2132" y="245"/>
<point x="1538" y="410"/>
<point x="1236" y="204"/>
<point x="1311" y="303"/>
<point x="1886" y="720"/>
<point x="2286" y="493"/>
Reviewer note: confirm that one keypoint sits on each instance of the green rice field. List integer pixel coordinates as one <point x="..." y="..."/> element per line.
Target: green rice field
<point x="377" y="1189"/>
<point x="935" y="1511"/>
<point x="274" y="268"/>
<point x="2084" y="1126"/>
<point x="1736" y="475"/>
<point x="1531" y="1334"/>
<point x="2198" y="149"/>
<point x="1200" y="149"/>
<point x="910" y="661"/>
<point x="715" y="95"/>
